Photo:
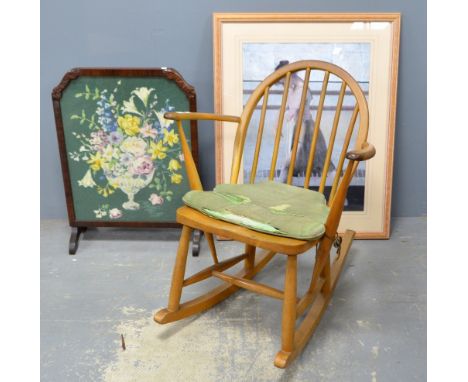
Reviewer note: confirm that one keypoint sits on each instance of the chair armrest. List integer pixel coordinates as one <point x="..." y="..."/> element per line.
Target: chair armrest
<point x="366" y="152"/>
<point x="192" y="173"/>
<point x="180" y="116"/>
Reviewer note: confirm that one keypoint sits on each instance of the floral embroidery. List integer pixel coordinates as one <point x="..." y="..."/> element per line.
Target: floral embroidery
<point x="128" y="146"/>
<point x="130" y="124"/>
<point x="170" y="137"/>
<point x="115" y="213"/>
<point x="155" y="199"/>
<point x="174" y="165"/>
<point x="176" y="178"/>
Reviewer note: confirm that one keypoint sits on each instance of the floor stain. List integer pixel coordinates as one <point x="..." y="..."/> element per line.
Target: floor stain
<point x="206" y="347"/>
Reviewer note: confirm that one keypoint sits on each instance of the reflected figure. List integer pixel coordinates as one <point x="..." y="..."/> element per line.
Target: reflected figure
<point x="296" y="85"/>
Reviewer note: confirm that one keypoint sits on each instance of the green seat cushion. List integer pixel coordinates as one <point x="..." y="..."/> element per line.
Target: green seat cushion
<point x="274" y="208"/>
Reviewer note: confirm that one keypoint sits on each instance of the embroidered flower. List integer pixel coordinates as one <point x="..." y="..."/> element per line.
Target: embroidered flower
<point x="165" y="123"/>
<point x="155" y="199"/>
<point x="176" y="178"/>
<point x="100" y="213"/>
<point x="115" y="137"/>
<point x="143" y="93"/>
<point x="170" y="137"/>
<point x="157" y="150"/>
<point x="87" y="180"/>
<point x="133" y="145"/>
<point x="130" y="124"/>
<point x="99" y="139"/>
<point x="174" y="165"/>
<point x="148" y="132"/>
<point x="110" y="153"/>
<point x="115" y="213"/>
<point x="130" y="107"/>
<point x="142" y="165"/>
<point x="95" y="161"/>
<point x="126" y="158"/>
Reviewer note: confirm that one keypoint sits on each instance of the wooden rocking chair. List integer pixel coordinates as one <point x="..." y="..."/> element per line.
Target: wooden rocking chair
<point x="326" y="269"/>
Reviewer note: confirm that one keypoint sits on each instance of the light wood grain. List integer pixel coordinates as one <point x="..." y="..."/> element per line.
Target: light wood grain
<point x="318" y="120"/>
<point x="207" y="272"/>
<point x="179" y="270"/>
<point x="300" y="118"/>
<point x="283" y="245"/>
<point x="220" y="17"/>
<point x="258" y="143"/>
<point x="324" y="273"/>
<point x="289" y="305"/>
<point x="331" y="141"/>
<point x="250" y="285"/>
<point x="183" y="116"/>
<point x="250" y="259"/>
<point x="211" y="298"/>
<point x="190" y="166"/>
<point x="366" y="152"/>
<point x="307" y="327"/>
<point x="280" y="125"/>
<point x="344" y="150"/>
<point x="211" y="245"/>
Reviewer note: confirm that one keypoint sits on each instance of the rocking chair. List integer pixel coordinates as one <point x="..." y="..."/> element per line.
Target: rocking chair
<point x="327" y="268"/>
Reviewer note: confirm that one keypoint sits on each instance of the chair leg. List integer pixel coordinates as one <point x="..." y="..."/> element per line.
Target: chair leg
<point x="250" y="259"/>
<point x="211" y="244"/>
<point x="326" y="275"/>
<point x="318" y="303"/>
<point x="178" y="273"/>
<point x="289" y="306"/>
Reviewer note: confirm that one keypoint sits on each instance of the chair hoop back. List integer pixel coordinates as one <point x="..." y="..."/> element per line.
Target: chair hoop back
<point x="285" y="75"/>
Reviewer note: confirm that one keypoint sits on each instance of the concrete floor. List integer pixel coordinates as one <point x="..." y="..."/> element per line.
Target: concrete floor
<point x="374" y="329"/>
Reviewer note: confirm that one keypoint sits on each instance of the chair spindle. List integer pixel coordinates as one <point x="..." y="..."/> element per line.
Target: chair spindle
<point x="259" y="135"/>
<point x="331" y="142"/>
<point x="318" y="119"/>
<point x="297" y="133"/>
<point x="280" y="126"/>
<point x="347" y="140"/>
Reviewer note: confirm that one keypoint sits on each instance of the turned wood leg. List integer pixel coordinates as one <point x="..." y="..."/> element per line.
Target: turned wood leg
<point x="326" y="275"/>
<point x="211" y="245"/>
<point x="289" y="305"/>
<point x="74" y="239"/>
<point x="318" y="301"/>
<point x="250" y="259"/>
<point x="178" y="273"/>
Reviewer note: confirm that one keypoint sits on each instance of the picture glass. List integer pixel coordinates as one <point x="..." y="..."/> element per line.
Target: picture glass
<point x="260" y="60"/>
<point x="124" y="157"/>
<point x="249" y="47"/>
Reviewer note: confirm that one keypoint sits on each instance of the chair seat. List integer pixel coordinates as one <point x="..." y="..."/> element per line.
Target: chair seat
<point x="269" y="207"/>
<point x="197" y="220"/>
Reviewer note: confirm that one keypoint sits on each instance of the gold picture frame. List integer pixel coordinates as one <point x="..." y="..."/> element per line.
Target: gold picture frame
<point x="378" y="33"/>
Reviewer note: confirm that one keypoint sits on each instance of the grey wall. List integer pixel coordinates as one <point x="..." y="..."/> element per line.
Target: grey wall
<point x="178" y="34"/>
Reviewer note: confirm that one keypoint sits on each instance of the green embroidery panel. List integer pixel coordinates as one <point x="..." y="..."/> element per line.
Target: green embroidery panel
<point x="125" y="160"/>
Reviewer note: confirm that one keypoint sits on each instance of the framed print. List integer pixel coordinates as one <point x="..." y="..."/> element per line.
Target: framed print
<point x="248" y="47"/>
<point x="121" y="160"/>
